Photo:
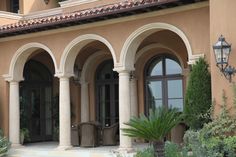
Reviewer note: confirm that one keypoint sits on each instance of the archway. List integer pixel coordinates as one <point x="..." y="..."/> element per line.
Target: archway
<point x="144" y="44"/>
<point x="128" y="52"/>
<point x="73" y="48"/>
<point x="20" y="57"/>
<point x="15" y="75"/>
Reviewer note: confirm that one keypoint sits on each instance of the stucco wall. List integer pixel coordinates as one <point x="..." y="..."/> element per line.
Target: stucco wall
<point x="4" y="21"/>
<point x="89" y="5"/>
<point x="4" y="5"/>
<point x="28" y="6"/>
<point x="116" y="33"/>
<point x="222" y="21"/>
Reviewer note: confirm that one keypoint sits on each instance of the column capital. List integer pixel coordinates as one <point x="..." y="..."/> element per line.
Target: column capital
<point x="83" y="82"/>
<point x="194" y="58"/>
<point x="122" y="69"/>
<point x="63" y="75"/>
<point x="10" y="78"/>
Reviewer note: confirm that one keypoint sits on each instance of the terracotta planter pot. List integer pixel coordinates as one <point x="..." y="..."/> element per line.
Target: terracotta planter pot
<point x="159" y="148"/>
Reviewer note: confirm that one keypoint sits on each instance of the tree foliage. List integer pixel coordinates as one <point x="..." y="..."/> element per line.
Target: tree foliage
<point x="198" y="95"/>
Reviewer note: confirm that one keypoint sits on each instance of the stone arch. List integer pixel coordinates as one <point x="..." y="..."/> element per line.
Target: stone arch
<point x="130" y="47"/>
<point x="20" y="57"/>
<point x="87" y="64"/>
<point x="73" y="48"/>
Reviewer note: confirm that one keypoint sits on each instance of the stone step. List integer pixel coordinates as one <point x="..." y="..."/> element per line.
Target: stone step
<point x="56" y="153"/>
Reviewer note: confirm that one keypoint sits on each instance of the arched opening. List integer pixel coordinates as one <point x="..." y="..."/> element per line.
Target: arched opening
<point x="163" y="83"/>
<point x="158" y="55"/>
<point x="37" y="109"/>
<point x="107" y="94"/>
<point x="80" y="60"/>
<point x="27" y="52"/>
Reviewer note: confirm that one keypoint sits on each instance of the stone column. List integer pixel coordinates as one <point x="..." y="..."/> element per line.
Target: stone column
<point x="64" y="114"/>
<point x="133" y="97"/>
<point x="124" y="108"/>
<point x="84" y="102"/>
<point x="14" y="114"/>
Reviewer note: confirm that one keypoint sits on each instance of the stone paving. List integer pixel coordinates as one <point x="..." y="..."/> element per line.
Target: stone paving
<point x="49" y="149"/>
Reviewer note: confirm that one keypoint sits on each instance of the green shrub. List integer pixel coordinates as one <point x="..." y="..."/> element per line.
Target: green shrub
<point x="4" y="144"/>
<point x="172" y="150"/>
<point x="193" y="143"/>
<point x="217" y="138"/>
<point x="198" y="95"/>
<point x="147" y="152"/>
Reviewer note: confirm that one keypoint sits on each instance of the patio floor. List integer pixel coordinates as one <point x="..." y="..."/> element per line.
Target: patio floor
<point x="49" y="149"/>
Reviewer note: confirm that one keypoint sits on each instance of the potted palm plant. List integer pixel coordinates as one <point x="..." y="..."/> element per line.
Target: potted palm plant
<point x="24" y="135"/>
<point x="154" y="127"/>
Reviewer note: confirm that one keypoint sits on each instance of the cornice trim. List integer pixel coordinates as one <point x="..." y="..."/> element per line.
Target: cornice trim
<point x="43" y="13"/>
<point x="72" y="3"/>
<point x="8" y="15"/>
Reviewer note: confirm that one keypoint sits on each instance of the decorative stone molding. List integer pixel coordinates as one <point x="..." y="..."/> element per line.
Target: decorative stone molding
<point x="193" y="58"/>
<point x="130" y="47"/>
<point x="72" y="3"/>
<point x="73" y="48"/>
<point x="8" y="15"/>
<point x="88" y="64"/>
<point x="20" y="57"/>
<point x="43" y="13"/>
<point x="155" y="46"/>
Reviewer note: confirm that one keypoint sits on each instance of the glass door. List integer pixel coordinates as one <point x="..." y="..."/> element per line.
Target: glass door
<point x="36" y="102"/>
<point x="107" y="94"/>
<point x="37" y="112"/>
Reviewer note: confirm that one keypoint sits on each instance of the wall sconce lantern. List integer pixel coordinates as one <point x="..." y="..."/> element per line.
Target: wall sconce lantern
<point x="77" y="74"/>
<point x="222" y="51"/>
<point x="46" y="1"/>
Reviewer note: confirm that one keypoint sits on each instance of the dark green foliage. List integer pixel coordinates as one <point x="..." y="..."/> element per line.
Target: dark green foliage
<point x="148" y="152"/>
<point x="217" y="138"/>
<point x="198" y="95"/>
<point x="172" y="150"/>
<point x="154" y="127"/>
<point x="4" y="144"/>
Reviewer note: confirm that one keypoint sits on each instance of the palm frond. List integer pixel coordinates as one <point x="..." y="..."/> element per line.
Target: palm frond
<point x="154" y="127"/>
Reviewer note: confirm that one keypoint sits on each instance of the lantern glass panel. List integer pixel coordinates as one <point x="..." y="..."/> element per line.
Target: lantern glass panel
<point x="218" y="56"/>
<point x="226" y="52"/>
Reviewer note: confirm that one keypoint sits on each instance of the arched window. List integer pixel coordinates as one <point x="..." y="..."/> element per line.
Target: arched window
<point x="163" y="83"/>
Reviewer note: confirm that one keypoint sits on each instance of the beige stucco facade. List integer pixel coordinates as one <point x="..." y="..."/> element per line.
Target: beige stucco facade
<point x="186" y="32"/>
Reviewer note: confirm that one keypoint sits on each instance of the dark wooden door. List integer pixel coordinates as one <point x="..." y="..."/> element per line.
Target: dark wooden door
<point x="107" y="94"/>
<point x="36" y="102"/>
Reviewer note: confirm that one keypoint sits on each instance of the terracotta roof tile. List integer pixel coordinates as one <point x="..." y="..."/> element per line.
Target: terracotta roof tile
<point x="78" y="15"/>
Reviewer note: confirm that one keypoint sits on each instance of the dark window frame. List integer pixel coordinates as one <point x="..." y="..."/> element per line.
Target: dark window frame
<point x="14" y="6"/>
<point x="164" y="78"/>
<point x="112" y="82"/>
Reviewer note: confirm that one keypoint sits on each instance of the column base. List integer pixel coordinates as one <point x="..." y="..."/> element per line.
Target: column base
<point x="126" y="149"/>
<point x="16" y="145"/>
<point x="124" y="152"/>
<point x="63" y="148"/>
